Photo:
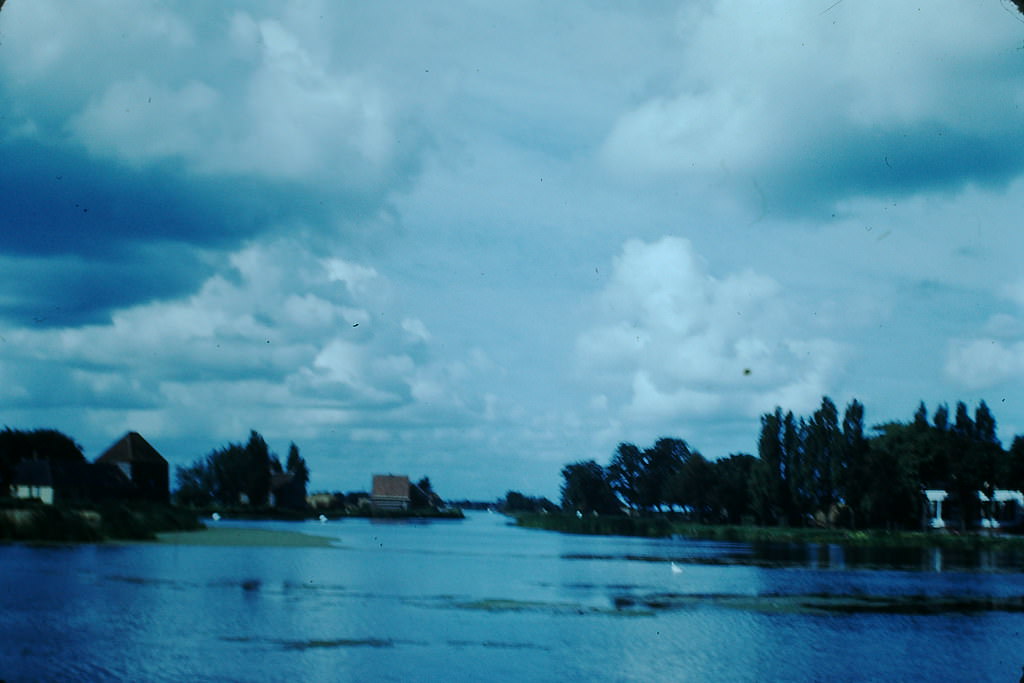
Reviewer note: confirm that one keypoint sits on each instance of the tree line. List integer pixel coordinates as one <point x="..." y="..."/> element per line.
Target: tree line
<point x="239" y="473"/>
<point x="824" y="469"/>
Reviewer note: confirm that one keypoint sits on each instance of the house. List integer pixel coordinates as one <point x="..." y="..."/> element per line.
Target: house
<point x="33" y="479"/>
<point x="141" y="464"/>
<point x="323" y="501"/>
<point x="1002" y="510"/>
<point x="63" y="481"/>
<point x="390" y="492"/>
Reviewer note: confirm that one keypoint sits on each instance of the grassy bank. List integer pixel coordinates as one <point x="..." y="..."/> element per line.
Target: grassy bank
<point x="136" y="520"/>
<point x="868" y="538"/>
<point x="661" y="527"/>
<point x="653" y="527"/>
<point x="226" y="537"/>
<point x="277" y="514"/>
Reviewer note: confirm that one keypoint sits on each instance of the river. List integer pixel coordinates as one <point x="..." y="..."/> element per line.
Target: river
<point x="477" y="600"/>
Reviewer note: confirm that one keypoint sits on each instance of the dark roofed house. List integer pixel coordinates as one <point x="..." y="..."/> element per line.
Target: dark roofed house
<point x="390" y="492"/>
<point x="34" y="479"/>
<point x="142" y="465"/>
<point x="63" y="481"/>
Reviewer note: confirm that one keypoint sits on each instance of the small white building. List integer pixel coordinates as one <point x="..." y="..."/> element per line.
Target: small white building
<point x="1003" y="509"/>
<point x="935" y="499"/>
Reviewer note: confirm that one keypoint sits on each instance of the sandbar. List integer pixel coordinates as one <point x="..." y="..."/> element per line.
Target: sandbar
<point x="235" y="537"/>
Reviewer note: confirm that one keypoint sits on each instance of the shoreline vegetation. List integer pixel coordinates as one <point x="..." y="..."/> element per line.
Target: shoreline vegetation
<point x="35" y="522"/>
<point x="247" y="538"/>
<point x="283" y="515"/>
<point x="662" y="527"/>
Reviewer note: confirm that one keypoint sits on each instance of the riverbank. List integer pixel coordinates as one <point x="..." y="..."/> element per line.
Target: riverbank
<point x="660" y="527"/>
<point x="283" y="515"/>
<point x="96" y="522"/>
<point x="249" y="538"/>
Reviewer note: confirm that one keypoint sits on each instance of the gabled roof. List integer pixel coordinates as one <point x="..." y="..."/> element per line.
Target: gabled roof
<point x="390" y="486"/>
<point x="131" y="448"/>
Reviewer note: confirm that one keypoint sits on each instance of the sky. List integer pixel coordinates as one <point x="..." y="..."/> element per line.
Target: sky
<point x="477" y="241"/>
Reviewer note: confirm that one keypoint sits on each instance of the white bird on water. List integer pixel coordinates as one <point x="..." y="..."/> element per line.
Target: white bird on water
<point x="323" y="519"/>
<point x="676" y="569"/>
<point x="215" y="516"/>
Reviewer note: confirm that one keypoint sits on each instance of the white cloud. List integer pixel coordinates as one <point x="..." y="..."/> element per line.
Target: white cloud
<point x="288" y="114"/>
<point x="674" y="342"/>
<point x="826" y="98"/>
<point x="995" y="354"/>
<point x="984" y="363"/>
<point x="269" y="344"/>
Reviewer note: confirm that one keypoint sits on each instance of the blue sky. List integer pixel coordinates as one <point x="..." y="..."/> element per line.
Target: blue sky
<point x="477" y="241"/>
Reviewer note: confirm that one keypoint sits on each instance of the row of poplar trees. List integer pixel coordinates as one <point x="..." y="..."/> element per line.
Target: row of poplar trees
<point x="820" y="469"/>
<point x="824" y="467"/>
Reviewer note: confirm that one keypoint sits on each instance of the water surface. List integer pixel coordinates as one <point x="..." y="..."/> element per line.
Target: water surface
<point x="481" y="600"/>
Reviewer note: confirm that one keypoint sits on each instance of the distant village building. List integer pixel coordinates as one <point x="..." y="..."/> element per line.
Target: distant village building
<point x="321" y="501"/>
<point x="1003" y="509"/>
<point x="63" y="481"/>
<point x="390" y="492"/>
<point x="142" y="465"/>
<point x="935" y="497"/>
<point x="33" y="479"/>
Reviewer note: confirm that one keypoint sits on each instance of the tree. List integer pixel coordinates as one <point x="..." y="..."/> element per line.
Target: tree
<point x="1011" y="474"/>
<point x="855" y="452"/>
<point x="422" y="495"/>
<point x="731" y="492"/>
<point x="985" y="425"/>
<point x="921" y="416"/>
<point x="893" y="492"/>
<point x="195" y="485"/>
<point x="517" y="502"/>
<point x="663" y="461"/>
<point x="296" y="465"/>
<point x="823" y="447"/>
<point x="963" y="426"/>
<point x="769" y="486"/>
<point x="692" y="486"/>
<point x="625" y="473"/>
<point x="586" y="489"/>
<point x="235" y="474"/>
<point x="257" y="469"/>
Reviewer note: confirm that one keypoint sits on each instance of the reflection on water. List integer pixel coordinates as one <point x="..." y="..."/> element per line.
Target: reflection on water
<point x="481" y="600"/>
<point x="830" y="556"/>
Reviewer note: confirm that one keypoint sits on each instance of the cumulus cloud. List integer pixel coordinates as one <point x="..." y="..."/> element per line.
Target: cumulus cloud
<point x="294" y="118"/>
<point x="284" y="339"/>
<point x="806" y="106"/>
<point x="672" y="341"/>
<point x="984" y="363"/>
<point x="995" y="356"/>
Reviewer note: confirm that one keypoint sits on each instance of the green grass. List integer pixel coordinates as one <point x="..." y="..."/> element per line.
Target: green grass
<point x="662" y="527"/>
<point x="597" y="525"/>
<point x="863" y="538"/>
<point x="232" y="537"/>
<point x="136" y="520"/>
